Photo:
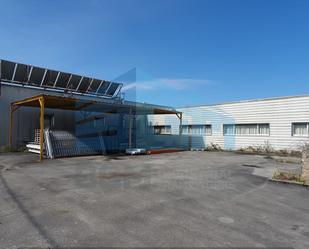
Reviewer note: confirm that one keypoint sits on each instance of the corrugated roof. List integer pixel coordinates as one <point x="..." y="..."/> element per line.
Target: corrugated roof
<point x="75" y="104"/>
<point x="250" y="100"/>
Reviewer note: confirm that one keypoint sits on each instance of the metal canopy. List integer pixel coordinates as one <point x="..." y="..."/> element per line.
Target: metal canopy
<point x="43" y="101"/>
<point x="75" y="104"/>
<point x="37" y="77"/>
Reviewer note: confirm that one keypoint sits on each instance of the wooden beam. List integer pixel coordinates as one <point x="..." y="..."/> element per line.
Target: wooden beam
<point x="42" y="106"/>
<point x="84" y="105"/>
<point x="27" y="100"/>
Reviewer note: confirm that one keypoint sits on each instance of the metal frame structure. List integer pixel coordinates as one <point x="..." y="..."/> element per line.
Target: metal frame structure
<point x="17" y="74"/>
<point x="73" y="104"/>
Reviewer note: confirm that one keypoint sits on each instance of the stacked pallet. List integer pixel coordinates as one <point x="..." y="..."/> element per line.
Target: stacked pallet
<point x="34" y="146"/>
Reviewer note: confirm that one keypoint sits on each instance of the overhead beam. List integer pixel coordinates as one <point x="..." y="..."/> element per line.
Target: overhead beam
<point x="27" y="100"/>
<point x="84" y="105"/>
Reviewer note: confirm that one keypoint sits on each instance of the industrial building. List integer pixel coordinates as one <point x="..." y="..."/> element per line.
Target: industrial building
<point x="78" y="115"/>
<point x="277" y="123"/>
<point x="60" y="114"/>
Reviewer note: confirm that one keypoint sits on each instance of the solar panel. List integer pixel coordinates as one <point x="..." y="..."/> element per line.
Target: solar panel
<point x="28" y="75"/>
<point x="112" y="89"/>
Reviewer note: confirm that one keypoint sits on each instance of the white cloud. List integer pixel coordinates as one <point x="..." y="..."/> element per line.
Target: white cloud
<point x="168" y="84"/>
<point x="136" y="86"/>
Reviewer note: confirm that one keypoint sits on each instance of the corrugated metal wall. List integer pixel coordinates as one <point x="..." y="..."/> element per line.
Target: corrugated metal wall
<point x="26" y="120"/>
<point x="279" y="113"/>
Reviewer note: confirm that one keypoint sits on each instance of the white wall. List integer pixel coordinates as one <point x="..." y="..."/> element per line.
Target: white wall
<point x="280" y="113"/>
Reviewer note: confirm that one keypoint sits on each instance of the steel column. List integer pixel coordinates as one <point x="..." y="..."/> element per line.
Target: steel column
<point x="12" y="110"/>
<point x="180" y="129"/>
<point x="11" y="127"/>
<point x="130" y="129"/>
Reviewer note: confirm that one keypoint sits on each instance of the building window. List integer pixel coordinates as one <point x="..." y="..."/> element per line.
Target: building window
<point x="161" y="129"/>
<point x="228" y="129"/>
<point x="246" y="129"/>
<point x="300" y="129"/>
<point x="263" y="129"/>
<point x="196" y="129"/>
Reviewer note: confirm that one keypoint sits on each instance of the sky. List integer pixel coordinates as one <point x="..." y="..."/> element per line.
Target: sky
<point x="180" y="53"/>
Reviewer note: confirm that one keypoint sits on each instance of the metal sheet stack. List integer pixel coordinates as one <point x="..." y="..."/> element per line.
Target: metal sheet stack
<point x="65" y="144"/>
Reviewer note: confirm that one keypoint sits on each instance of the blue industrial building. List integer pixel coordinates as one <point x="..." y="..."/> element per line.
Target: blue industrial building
<point x="83" y="115"/>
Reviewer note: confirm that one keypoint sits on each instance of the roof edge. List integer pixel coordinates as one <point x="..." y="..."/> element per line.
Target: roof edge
<point x="246" y="101"/>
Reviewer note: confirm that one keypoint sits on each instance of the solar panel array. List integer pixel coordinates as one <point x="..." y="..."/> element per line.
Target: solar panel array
<point x="28" y="75"/>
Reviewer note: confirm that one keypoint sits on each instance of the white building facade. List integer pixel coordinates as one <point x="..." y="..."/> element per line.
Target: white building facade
<point x="277" y="123"/>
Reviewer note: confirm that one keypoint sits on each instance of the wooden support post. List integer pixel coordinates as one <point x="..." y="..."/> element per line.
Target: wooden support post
<point x="42" y="106"/>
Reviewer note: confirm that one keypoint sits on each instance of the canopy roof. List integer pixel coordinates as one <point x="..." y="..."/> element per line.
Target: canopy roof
<point x="75" y="104"/>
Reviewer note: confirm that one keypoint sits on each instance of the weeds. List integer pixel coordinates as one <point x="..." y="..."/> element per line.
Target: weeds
<point x="213" y="147"/>
<point x="288" y="176"/>
<point x="267" y="149"/>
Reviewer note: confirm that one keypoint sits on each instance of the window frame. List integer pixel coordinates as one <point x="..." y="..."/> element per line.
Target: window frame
<point x="153" y="128"/>
<point x="258" y="134"/>
<point x="189" y="129"/>
<point x="299" y="123"/>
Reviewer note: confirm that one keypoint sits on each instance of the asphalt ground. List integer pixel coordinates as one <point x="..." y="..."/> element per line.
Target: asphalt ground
<point x="185" y="199"/>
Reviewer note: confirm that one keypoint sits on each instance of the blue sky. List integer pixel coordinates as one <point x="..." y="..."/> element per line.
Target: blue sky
<point x="192" y="52"/>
